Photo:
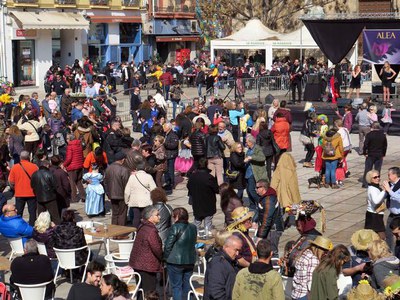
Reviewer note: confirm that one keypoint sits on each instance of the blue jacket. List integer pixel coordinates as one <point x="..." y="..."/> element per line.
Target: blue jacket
<point x="76" y="114"/>
<point x="14" y="227"/>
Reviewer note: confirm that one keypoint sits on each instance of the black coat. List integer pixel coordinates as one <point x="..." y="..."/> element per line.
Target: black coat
<point x="214" y="146"/>
<point x="63" y="187"/>
<point x="375" y="144"/>
<point x="220" y="277"/>
<point x="264" y="139"/>
<point x="135" y="101"/>
<point x="44" y="185"/>
<point x="202" y="188"/>
<point x="171" y="145"/>
<point x="198" y="142"/>
<point x="237" y="164"/>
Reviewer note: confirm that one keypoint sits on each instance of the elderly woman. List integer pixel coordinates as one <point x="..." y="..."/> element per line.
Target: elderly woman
<point x="271" y="112"/>
<point x="375" y="204"/>
<point x="159" y="199"/>
<point x="137" y="190"/>
<point x="242" y="222"/>
<point x="43" y="232"/>
<point x="384" y="263"/>
<point x="180" y="252"/>
<point x="146" y="255"/>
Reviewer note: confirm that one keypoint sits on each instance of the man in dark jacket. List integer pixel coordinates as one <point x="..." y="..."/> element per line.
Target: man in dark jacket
<point x="33" y="268"/>
<point x="198" y="141"/>
<point x="115" y="180"/>
<point x="44" y="186"/>
<point x="270" y="221"/>
<point x="66" y="102"/>
<point x="63" y="185"/>
<point x="375" y="145"/>
<point x="171" y="145"/>
<point x="221" y="271"/>
<point x="114" y="142"/>
<point x="135" y="103"/>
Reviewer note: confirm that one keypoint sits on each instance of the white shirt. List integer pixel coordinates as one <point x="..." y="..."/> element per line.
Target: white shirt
<point x="375" y="199"/>
<point x="160" y="100"/>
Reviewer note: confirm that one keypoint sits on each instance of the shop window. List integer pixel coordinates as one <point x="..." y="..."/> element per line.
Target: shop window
<point x="24" y="66"/>
<point x="128" y="32"/>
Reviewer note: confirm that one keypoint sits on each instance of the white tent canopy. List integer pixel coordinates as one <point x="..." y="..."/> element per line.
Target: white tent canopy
<point x="255" y="35"/>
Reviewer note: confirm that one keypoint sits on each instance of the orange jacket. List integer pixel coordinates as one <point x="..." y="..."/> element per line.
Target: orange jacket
<point x="281" y="131"/>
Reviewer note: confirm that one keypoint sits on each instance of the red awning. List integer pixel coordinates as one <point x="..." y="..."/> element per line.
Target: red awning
<point x="115" y="19"/>
<point x="178" y="38"/>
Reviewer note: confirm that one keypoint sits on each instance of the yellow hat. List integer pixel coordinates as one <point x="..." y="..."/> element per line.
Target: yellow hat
<point x="323" y="243"/>
<point x="364" y="291"/>
<point x="361" y="239"/>
<point x="239" y="215"/>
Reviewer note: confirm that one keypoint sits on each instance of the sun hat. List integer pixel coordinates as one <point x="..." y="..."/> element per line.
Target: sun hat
<point x="364" y="291"/>
<point x="323" y="243"/>
<point x="239" y="215"/>
<point x="361" y="239"/>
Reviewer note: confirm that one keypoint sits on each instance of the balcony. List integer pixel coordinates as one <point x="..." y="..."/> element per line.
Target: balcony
<point x="97" y="3"/>
<point x="65" y="2"/>
<point x="132" y="3"/>
<point x="25" y="1"/>
<point x="175" y="9"/>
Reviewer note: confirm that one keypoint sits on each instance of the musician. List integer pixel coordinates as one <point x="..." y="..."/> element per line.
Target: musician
<point x="296" y="74"/>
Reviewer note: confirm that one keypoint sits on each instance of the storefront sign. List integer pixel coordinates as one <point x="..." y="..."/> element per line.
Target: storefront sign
<point x="25" y="33"/>
<point x="381" y="45"/>
<point x="177" y="38"/>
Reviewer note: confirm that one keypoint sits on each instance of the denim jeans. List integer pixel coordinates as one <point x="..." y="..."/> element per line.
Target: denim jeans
<point x="170" y="174"/>
<point x="199" y="88"/>
<point x="174" y="106"/>
<point x="253" y="197"/>
<point x="207" y="223"/>
<point x="166" y="89"/>
<point x="179" y="277"/>
<point x="330" y="171"/>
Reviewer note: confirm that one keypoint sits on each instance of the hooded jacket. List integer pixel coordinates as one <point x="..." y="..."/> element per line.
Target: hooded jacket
<point x="337" y="143"/>
<point x="382" y="268"/>
<point x="258" y="281"/>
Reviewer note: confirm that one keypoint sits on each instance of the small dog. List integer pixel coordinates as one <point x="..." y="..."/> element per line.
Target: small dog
<point x="317" y="180"/>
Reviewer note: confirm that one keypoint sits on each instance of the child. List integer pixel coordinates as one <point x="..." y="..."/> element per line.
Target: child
<point x="184" y="161"/>
<point x="387" y="117"/>
<point x="84" y="84"/>
<point x="52" y="105"/>
<point x="94" y="204"/>
<point x="323" y="122"/>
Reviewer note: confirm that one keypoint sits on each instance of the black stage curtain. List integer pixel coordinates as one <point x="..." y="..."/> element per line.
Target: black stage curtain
<point x="336" y="37"/>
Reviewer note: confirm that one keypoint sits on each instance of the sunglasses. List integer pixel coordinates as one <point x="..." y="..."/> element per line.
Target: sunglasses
<point x="375" y="177"/>
<point x="260" y="186"/>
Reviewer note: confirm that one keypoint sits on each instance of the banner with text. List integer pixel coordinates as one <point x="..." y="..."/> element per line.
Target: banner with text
<point x="381" y="45"/>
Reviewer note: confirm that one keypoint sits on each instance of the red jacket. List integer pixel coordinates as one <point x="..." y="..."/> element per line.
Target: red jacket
<point x="281" y="131"/>
<point x="74" y="156"/>
<point x="166" y="78"/>
<point x="147" y="251"/>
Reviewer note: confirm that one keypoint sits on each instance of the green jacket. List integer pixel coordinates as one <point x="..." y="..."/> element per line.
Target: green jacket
<point x="258" y="282"/>
<point x="179" y="247"/>
<point x="258" y="163"/>
<point x="324" y="285"/>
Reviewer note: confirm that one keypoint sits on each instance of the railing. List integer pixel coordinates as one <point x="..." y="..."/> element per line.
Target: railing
<point x="132" y="3"/>
<point x="177" y="8"/>
<point x="65" y="2"/>
<point x="99" y="2"/>
<point x="26" y="1"/>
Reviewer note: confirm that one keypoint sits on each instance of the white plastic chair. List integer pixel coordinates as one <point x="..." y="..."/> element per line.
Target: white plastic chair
<point x="17" y="247"/>
<point x="66" y="261"/>
<point x="124" y="247"/>
<point x="42" y="248"/>
<point x="118" y="266"/>
<point x="134" y="288"/>
<point x="196" y="291"/>
<point x="90" y="240"/>
<point x="32" y="291"/>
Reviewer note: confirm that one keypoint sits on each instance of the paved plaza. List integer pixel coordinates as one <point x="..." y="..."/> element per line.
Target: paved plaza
<point x="345" y="207"/>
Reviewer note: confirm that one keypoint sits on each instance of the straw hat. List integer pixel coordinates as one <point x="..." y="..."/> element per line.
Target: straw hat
<point x="323" y="243"/>
<point x="239" y="215"/>
<point x="362" y="238"/>
<point x="308" y="106"/>
<point x="364" y="291"/>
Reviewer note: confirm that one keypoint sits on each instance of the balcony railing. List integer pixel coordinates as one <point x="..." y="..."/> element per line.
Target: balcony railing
<point x="26" y="1"/>
<point x="132" y="3"/>
<point x="176" y="9"/>
<point x="65" y="2"/>
<point x="99" y="2"/>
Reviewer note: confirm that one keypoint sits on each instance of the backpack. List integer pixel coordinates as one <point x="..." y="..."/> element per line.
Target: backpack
<point x="59" y="140"/>
<point x="329" y="150"/>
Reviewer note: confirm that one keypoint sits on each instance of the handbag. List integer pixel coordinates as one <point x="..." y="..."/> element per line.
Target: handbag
<point x="275" y="146"/>
<point x="230" y="174"/>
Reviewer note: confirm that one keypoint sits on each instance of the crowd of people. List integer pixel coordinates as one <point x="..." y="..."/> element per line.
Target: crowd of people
<point x="64" y="150"/>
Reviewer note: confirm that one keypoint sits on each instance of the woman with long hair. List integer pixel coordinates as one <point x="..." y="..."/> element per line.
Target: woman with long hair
<point x="229" y="201"/>
<point x="387" y="75"/>
<point x="214" y="152"/>
<point x="265" y="139"/>
<point x="325" y="276"/>
<point x="15" y="142"/>
<point x="112" y="288"/>
<point x="355" y="83"/>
